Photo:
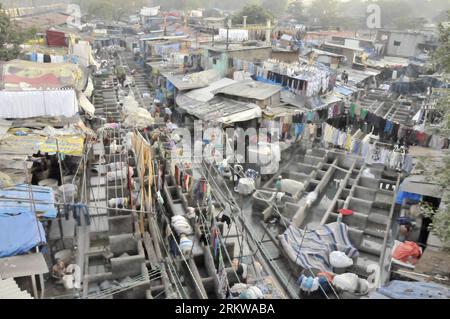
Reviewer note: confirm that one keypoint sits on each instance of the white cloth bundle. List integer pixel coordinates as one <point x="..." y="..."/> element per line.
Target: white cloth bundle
<point x="119" y="174"/>
<point x="186" y="245"/>
<point x="339" y="259"/>
<point x="181" y="225"/>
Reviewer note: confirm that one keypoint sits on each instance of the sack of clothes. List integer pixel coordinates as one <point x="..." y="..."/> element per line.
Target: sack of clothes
<point x="408" y="252"/>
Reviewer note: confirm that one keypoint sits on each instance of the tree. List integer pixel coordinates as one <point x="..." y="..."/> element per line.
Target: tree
<point x="440" y="225"/>
<point x="295" y="10"/>
<point x="441" y="56"/>
<point x="10" y="38"/>
<point x="110" y="10"/>
<point x="256" y="14"/>
<point x="277" y="7"/>
<point x="324" y="10"/>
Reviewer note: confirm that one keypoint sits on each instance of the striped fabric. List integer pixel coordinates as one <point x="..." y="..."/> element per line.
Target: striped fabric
<point x="312" y="250"/>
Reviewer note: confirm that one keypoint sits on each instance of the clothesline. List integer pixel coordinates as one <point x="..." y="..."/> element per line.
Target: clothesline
<point x="372" y="154"/>
<point x="308" y="80"/>
<point x="386" y="129"/>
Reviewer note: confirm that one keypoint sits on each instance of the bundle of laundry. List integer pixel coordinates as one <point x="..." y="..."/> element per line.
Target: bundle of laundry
<point x="181" y="225"/>
<point x="117" y="166"/>
<point x="185" y="245"/>
<point x="246" y="186"/>
<point x="115" y="148"/>
<point x="408" y="252"/>
<point x="244" y="291"/>
<point x="120" y="173"/>
<point x="138" y="118"/>
<point x="116" y="202"/>
<point x="339" y="259"/>
<point x="350" y="282"/>
<point x="291" y="187"/>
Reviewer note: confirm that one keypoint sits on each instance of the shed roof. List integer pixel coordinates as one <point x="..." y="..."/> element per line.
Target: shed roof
<point x="418" y="184"/>
<point x="220" y="109"/>
<point x="250" y="89"/>
<point x="343" y="46"/>
<point x="191" y="81"/>
<point x="206" y="94"/>
<point x="22" y="266"/>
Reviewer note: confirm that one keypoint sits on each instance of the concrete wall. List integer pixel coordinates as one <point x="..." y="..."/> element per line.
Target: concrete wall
<point x="127" y="266"/>
<point x="251" y="55"/>
<point x="120" y="225"/>
<point x="408" y="44"/>
<point x="288" y="57"/>
<point x="219" y="61"/>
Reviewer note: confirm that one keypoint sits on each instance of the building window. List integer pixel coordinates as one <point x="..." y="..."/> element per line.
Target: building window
<point x="396" y="43"/>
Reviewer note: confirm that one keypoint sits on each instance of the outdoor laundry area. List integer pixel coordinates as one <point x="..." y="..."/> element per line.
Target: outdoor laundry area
<point x="272" y="151"/>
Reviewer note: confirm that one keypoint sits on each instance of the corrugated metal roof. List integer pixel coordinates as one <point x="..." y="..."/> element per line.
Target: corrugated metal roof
<point x="42" y="21"/>
<point x="206" y="94"/>
<point x="10" y="290"/>
<point x="342" y="46"/>
<point x="250" y="89"/>
<point x="222" y="110"/>
<point x="191" y="81"/>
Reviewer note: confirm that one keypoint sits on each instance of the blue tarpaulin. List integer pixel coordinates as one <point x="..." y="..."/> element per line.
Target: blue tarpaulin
<point x="398" y="289"/>
<point x="342" y="90"/>
<point x="19" y="233"/>
<point x="16" y="200"/>
<point x="411" y="197"/>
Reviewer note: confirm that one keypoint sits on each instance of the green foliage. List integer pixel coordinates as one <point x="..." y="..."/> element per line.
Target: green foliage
<point x="256" y="14"/>
<point x="441" y="175"/>
<point x="10" y="38"/>
<point x="277" y="7"/>
<point x="110" y="10"/>
<point x="440" y="225"/>
<point x="441" y="56"/>
<point x="325" y="11"/>
<point x="295" y="10"/>
<point x="30" y="33"/>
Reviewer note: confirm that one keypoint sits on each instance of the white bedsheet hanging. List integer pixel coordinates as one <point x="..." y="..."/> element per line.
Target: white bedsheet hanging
<point x="25" y="104"/>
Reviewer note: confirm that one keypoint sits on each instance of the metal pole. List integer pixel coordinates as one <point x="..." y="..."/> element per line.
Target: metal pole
<point x="228" y="28"/>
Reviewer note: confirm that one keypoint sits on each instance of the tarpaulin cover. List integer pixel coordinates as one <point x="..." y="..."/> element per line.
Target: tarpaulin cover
<point x="56" y="38"/>
<point x="312" y="250"/>
<point x="31" y="144"/>
<point x="411" y="197"/>
<point x="398" y="289"/>
<point x="342" y="90"/>
<point x="19" y="233"/>
<point x="20" y="75"/>
<point x="19" y="201"/>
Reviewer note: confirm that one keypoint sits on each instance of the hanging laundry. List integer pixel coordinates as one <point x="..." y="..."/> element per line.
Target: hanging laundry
<point x="363" y="113"/>
<point x="388" y="127"/>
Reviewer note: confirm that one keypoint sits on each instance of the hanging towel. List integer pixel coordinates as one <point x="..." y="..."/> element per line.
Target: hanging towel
<point x="352" y="109"/>
<point x="363" y="113"/>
